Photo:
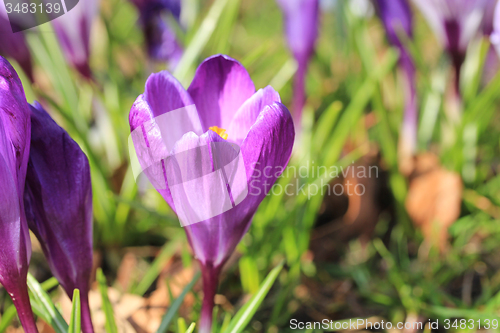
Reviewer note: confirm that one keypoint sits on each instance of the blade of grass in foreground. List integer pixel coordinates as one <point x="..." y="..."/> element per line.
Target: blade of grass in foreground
<point x="154" y="270"/>
<point x="75" y="321"/>
<point x="7" y="317"/>
<point x="191" y="328"/>
<point x="245" y="314"/>
<point x="106" y="304"/>
<point x="47" y="309"/>
<point x="174" y="307"/>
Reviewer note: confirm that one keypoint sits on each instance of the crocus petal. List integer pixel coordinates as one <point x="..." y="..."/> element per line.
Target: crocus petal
<point x="247" y="114"/>
<point x="268" y="144"/>
<point x="220" y="86"/>
<point x="73" y="32"/>
<point x="165" y="93"/>
<point x="58" y="201"/>
<point x="301" y="26"/>
<point x="162" y="95"/>
<point x="15" y="251"/>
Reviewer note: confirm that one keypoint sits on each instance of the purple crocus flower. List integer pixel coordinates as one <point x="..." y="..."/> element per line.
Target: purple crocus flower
<point x="73" y="31"/>
<point x="13" y="45"/>
<point x="225" y="99"/>
<point x="58" y="201"/>
<point x="397" y="19"/>
<point x="455" y="23"/>
<point x="160" y="38"/>
<point x="301" y="30"/>
<point x="15" y="251"/>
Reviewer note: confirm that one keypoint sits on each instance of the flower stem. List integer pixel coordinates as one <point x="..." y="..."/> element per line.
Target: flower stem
<point x="210" y="277"/>
<point x="455" y="107"/>
<point x="21" y="301"/>
<point x="86" y="317"/>
<point x="407" y="145"/>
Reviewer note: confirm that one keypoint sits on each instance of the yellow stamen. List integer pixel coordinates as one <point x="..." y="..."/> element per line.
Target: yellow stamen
<point x="222" y="132"/>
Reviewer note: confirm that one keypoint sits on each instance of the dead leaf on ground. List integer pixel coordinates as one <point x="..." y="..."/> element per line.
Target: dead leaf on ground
<point x="434" y="199"/>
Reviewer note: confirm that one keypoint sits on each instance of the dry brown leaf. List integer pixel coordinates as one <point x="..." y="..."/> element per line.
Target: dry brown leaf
<point x="148" y="318"/>
<point x="434" y="199"/>
<point x="126" y="270"/>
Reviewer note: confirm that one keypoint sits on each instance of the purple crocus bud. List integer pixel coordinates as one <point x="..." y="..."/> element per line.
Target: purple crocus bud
<point x="220" y="109"/>
<point x="73" y="31"/>
<point x="397" y="19"/>
<point x="15" y="251"/>
<point x="160" y="38"/>
<point x="301" y="30"/>
<point x="58" y="200"/>
<point x="455" y="23"/>
<point x="13" y="45"/>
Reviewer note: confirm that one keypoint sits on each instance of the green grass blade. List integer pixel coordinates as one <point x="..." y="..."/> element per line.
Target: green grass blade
<point x="325" y="125"/>
<point x="49" y="284"/>
<point x="7" y="317"/>
<point x="245" y="314"/>
<point x="154" y="270"/>
<point x="49" y="312"/>
<point x="354" y="110"/>
<point x="181" y="325"/>
<point x="75" y="321"/>
<point x="106" y="304"/>
<point x="167" y="318"/>
<point x="191" y="328"/>
<point x="199" y="40"/>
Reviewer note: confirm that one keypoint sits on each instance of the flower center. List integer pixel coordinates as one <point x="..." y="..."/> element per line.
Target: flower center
<point x="222" y="132"/>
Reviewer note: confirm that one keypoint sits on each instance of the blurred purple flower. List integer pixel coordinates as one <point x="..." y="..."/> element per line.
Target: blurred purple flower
<point x="15" y="251"/>
<point x="161" y="41"/>
<point x="487" y="21"/>
<point x="492" y="63"/>
<point x="150" y="7"/>
<point x="397" y="19"/>
<point x="73" y="31"/>
<point x="455" y="23"/>
<point x="160" y="38"/>
<point x="13" y="45"/>
<point x="225" y="98"/>
<point x="495" y="34"/>
<point x="301" y="31"/>
<point x="58" y="201"/>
